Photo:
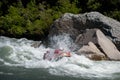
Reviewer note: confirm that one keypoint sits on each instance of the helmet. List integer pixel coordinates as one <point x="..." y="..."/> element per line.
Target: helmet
<point x="56" y="51"/>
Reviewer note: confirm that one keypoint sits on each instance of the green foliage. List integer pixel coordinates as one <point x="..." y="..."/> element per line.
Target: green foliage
<point x="67" y="6"/>
<point x="93" y="4"/>
<point x="33" y="20"/>
<point x="12" y="23"/>
<point x="16" y="30"/>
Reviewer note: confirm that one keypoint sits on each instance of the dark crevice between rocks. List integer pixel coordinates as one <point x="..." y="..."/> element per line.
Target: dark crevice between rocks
<point x="98" y="46"/>
<point x="117" y="44"/>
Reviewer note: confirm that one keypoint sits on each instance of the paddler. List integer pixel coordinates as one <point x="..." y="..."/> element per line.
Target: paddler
<point x="56" y="54"/>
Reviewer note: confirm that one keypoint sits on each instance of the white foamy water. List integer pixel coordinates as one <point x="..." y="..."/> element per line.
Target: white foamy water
<point x="18" y="52"/>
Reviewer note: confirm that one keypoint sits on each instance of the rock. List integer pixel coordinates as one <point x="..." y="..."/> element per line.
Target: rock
<point x="64" y="25"/>
<point x="92" y="52"/>
<point x="74" y="25"/>
<point x="87" y="36"/>
<point x="107" y="46"/>
<point x="93" y="27"/>
<point x="91" y="47"/>
<point x="36" y="44"/>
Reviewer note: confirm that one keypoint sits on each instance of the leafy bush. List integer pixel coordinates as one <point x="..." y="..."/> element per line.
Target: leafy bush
<point x="34" y="19"/>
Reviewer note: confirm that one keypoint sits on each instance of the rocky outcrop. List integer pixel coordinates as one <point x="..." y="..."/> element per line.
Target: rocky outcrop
<point x="77" y="24"/>
<point x="105" y="49"/>
<point x="94" y="33"/>
<point x="92" y="52"/>
<point x="107" y="46"/>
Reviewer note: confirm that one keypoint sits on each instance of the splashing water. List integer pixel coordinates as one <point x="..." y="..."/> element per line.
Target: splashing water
<point x="18" y="52"/>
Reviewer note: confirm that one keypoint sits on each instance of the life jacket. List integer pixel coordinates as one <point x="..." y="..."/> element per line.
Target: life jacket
<point x="57" y="51"/>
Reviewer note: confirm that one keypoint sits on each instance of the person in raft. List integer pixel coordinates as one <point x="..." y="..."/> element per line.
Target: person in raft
<point x="55" y="55"/>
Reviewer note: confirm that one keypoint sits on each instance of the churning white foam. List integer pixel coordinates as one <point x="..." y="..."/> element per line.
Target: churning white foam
<point x="20" y="53"/>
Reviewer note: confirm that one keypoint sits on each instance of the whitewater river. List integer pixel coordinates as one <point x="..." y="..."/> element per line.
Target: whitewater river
<point x="20" y="61"/>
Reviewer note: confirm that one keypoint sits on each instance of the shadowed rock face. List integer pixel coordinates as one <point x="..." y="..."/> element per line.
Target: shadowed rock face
<point x="86" y="37"/>
<point x="77" y="24"/>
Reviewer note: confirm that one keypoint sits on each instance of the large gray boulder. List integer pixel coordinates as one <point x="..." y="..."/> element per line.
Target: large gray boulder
<point x="77" y="24"/>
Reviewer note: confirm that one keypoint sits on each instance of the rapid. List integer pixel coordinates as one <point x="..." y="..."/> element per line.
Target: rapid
<point x="20" y="61"/>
